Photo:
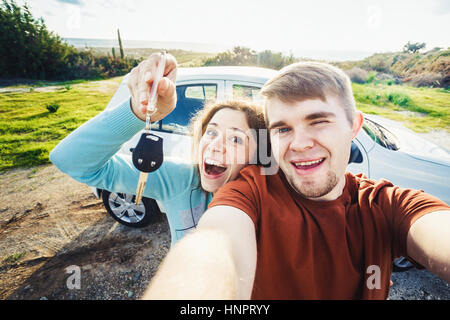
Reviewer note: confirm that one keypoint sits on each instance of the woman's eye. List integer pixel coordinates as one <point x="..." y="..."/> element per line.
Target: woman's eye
<point x="237" y="140"/>
<point x="211" y="133"/>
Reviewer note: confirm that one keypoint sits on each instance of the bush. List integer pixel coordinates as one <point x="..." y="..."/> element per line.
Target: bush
<point x="427" y="79"/>
<point x="357" y="75"/>
<point x="371" y="77"/>
<point x="52" y="108"/>
<point x="399" y="99"/>
<point x="241" y="56"/>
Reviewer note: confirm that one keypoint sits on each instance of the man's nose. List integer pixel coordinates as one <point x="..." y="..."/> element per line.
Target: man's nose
<point x="302" y="141"/>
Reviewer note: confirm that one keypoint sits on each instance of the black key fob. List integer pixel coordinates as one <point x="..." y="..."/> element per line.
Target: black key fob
<point x="148" y="154"/>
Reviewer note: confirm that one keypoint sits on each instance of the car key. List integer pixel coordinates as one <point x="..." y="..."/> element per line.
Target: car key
<point x="147" y="157"/>
<point x="148" y="154"/>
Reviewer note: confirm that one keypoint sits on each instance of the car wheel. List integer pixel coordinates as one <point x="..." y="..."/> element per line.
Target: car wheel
<point x="122" y="208"/>
<point x="402" y="264"/>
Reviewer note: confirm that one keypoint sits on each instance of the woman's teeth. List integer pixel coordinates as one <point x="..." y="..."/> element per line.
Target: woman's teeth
<point x="214" y="163"/>
<point x="213" y="167"/>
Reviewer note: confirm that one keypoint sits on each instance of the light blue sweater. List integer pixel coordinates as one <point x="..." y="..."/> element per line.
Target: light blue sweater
<point x="89" y="155"/>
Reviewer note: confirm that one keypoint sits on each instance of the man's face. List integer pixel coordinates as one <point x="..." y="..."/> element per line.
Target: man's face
<point x="312" y="142"/>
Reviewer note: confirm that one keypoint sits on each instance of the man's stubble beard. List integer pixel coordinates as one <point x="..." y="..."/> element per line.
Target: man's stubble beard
<point x="313" y="189"/>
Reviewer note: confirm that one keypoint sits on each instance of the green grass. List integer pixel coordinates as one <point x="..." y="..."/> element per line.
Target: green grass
<point x="28" y="131"/>
<point x="14" y="257"/>
<point x="420" y="109"/>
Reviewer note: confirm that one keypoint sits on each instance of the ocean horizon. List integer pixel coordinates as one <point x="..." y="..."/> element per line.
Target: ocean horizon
<point x="327" y="55"/>
<point x="134" y="44"/>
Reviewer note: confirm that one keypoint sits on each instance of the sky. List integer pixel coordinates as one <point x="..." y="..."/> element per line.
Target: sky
<point x="279" y="25"/>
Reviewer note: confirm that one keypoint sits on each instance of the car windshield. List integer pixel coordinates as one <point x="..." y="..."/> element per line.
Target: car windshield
<point x="381" y="135"/>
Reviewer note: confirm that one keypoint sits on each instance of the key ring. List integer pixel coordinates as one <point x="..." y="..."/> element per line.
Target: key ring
<point x="147" y="119"/>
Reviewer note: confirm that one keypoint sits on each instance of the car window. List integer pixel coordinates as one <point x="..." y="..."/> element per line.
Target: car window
<point x="204" y="92"/>
<point x="190" y="98"/>
<point x="380" y="135"/>
<point x="246" y="92"/>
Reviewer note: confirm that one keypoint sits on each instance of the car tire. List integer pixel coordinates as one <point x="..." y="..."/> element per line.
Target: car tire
<point x="402" y="264"/>
<point x="122" y="208"/>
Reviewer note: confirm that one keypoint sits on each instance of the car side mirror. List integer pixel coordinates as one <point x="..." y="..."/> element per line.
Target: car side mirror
<point x="355" y="154"/>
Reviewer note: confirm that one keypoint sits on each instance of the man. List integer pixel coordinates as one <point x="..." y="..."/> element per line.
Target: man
<point x="311" y="231"/>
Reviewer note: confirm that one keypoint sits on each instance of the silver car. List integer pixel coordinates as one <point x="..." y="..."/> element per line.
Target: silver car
<point x="383" y="149"/>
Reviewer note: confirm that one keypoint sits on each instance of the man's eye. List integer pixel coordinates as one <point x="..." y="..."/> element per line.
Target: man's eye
<point x="319" y="122"/>
<point x="283" y="130"/>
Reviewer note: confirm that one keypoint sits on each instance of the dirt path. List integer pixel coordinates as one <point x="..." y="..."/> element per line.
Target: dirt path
<point x="49" y="222"/>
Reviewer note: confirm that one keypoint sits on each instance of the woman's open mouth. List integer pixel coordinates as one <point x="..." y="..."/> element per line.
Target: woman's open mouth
<point x="214" y="169"/>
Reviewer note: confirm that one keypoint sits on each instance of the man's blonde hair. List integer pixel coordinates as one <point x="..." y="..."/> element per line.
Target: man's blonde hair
<point x="311" y="80"/>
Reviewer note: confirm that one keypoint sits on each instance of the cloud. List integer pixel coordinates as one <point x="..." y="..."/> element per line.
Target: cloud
<point x="74" y="2"/>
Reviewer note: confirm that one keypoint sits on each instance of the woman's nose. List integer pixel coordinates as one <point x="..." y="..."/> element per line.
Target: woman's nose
<point x="217" y="145"/>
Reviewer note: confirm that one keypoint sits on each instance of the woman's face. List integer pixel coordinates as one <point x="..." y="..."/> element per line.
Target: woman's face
<point x="225" y="148"/>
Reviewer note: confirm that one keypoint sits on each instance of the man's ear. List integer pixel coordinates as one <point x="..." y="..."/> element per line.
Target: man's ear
<point x="357" y="123"/>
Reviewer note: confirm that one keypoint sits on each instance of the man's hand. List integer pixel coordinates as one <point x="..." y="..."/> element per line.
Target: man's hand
<point x="216" y="261"/>
<point x="140" y="83"/>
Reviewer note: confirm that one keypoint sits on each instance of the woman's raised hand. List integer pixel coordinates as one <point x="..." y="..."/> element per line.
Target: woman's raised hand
<point x="140" y="83"/>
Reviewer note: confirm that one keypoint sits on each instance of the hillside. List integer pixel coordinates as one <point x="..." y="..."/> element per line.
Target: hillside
<point x="428" y="69"/>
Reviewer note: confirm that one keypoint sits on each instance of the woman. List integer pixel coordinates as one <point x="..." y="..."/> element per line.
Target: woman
<point x="223" y="142"/>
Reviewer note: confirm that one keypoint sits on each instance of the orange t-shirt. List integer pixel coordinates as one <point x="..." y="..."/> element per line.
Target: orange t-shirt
<point x="325" y="250"/>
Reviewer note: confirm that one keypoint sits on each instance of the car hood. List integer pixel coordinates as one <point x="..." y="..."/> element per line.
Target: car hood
<point x="411" y="143"/>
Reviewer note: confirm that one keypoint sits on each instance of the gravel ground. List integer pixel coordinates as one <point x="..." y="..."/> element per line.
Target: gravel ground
<point x="59" y="224"/>
<point x="417" y="284"/>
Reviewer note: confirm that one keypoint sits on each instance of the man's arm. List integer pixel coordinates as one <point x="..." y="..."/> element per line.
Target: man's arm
<point x="216" y="261"/>
<point x="428" y="243"/>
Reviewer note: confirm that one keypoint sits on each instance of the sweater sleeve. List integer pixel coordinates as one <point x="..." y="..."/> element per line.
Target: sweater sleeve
<point x="90" y="155"/>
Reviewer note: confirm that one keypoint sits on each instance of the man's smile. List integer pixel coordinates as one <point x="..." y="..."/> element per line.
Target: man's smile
<point x="308" y="166"/>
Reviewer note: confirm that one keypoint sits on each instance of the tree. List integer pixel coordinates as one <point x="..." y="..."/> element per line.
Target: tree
<point x="413" y="47"/>
<point x="27" y="48"/>
<point x="122" y="55"/>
